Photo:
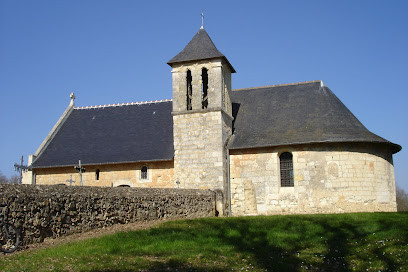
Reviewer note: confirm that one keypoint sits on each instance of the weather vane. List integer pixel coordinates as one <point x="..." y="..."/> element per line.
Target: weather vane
<point x="202" y="19"/>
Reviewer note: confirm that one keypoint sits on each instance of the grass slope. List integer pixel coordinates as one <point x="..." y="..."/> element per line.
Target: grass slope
<point x="344" y="242"/>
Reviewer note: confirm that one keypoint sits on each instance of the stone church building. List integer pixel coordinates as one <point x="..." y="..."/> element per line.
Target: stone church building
<point x="291" y="148"/>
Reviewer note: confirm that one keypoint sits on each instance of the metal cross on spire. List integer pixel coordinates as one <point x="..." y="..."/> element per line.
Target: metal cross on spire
<point x="202" y="19"/>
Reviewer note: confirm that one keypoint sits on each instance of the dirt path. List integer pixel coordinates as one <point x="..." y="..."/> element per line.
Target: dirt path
<point x="49" y="242"/>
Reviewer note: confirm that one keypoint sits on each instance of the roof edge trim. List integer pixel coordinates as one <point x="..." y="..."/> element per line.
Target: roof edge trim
<point x="122" y="104"/>
<point x="54" y="130"/>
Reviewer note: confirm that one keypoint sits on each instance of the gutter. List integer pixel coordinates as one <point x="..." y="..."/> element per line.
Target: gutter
<point x="229" y="183"/>
<point x="229" y="139"/>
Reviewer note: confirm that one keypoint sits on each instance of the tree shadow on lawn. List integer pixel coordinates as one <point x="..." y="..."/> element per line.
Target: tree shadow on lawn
<point x="170" y="265"/>
<point x="331" y="237"/>
<point x="237" y="233"/>
<point x="337" y="246"/>
<point x="380" y="250"/>
<point x="271" y="257"/>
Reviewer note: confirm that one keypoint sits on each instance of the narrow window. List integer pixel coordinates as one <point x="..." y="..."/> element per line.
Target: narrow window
<point x="204" y="88"/>
<point x="143" y="173"/>
<point x="189" y="90"/>
<point x="97" y="174"/>
<point x="286" y="169"/>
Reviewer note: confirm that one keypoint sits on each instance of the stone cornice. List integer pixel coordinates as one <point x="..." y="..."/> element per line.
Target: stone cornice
<point x="203" y="111"/>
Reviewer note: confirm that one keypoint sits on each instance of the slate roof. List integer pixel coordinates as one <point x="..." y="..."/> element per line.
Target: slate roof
<point x="201" y="47"/>
<point x="295" y="114"/>
<point x="300" y="113"/>
<point x="112" y="134"/>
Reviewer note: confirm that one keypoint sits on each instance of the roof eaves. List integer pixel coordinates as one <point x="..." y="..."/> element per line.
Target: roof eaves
<point x="101" y="163"/>
<point x="395" y="147"/>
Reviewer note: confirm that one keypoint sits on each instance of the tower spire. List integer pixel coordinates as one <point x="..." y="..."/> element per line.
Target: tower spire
<point x="202" y="19"/>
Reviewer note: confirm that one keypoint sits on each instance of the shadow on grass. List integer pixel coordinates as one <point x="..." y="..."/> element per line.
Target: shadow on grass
<point x="255" y="243"/>
<point x="171" y="265"/>
<point x="379" y="251"/>
<point x="338" y="246"/>
<point x="336" y="243"/>
<point x="274" y="244"/>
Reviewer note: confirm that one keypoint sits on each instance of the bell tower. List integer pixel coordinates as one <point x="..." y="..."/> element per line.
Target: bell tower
<point x="202" y="114"/>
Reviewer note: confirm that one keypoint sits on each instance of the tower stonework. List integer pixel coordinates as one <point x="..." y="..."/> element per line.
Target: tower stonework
<point x="202" y="115"/>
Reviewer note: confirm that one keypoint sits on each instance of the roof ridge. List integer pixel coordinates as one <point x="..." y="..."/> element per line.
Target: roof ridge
<point x="122" y="104"/>
<point x="277" y="85"/>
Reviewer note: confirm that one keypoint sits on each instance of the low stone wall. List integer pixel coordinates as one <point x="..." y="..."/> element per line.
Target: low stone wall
<point x="41" y="211"/>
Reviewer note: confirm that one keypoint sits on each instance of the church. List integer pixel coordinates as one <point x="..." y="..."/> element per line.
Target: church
<point x="282" y="149"/>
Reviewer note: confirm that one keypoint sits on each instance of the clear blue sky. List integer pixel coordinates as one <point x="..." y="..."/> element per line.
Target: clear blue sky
<point x="116" y="51"/>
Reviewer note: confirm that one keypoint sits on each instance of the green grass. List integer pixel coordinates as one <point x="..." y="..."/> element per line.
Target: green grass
<point x="344" y="242"/>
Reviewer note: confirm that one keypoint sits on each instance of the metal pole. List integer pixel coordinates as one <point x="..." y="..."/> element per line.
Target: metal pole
<point x="80" y="173"/>
<point x="21" y="170"/>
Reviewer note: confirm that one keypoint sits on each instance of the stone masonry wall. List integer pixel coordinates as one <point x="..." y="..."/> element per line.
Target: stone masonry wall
<point x="198" y="159"/>
<point x="332" y="178"/>
<point x="52" y="211"/>
<point x="159" y="175"/>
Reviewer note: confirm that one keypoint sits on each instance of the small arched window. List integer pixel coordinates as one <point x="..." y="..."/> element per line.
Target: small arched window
<point x="143" y="172"/>
<point x="97" y="174"/>
<point x="286" y="169"/>
<point x="189" y="95"/>
<point x="204" y="88"/>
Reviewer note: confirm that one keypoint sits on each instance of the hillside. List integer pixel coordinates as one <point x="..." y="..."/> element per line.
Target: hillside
<point x="343" y="242"/>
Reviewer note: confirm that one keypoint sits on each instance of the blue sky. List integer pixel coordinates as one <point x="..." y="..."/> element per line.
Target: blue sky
<point x="116" y="51"/>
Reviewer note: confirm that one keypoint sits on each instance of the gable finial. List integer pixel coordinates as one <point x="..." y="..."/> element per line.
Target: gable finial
<point x="202" y="19"/>
<point x="72" y="96"/>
